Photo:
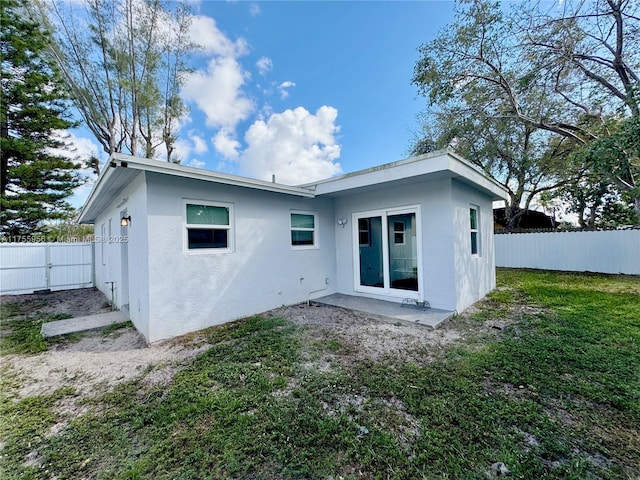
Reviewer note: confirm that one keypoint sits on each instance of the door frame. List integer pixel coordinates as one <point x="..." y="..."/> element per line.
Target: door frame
<point x="387" y="291"/>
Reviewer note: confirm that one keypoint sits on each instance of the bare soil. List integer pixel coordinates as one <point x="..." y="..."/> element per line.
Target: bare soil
<point x="99" y="361"/>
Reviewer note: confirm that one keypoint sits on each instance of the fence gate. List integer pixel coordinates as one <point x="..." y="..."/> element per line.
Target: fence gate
<point x="28" y="267"/>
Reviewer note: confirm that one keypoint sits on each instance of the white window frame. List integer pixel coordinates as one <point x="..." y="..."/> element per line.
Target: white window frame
<point x="314" y="230"/>
<point x="475" y="231"/>
<point x="186" y="226"/>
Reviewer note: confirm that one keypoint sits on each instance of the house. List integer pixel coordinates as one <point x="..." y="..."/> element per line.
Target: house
<point x="186" y="248"/>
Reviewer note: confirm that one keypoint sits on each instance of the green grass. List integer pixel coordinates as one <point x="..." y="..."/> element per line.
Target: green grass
<point x="21" y="332"/>
<point x="555" y="394"/>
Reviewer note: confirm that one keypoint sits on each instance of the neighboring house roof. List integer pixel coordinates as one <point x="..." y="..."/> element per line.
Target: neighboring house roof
<point x="433" y="166"/>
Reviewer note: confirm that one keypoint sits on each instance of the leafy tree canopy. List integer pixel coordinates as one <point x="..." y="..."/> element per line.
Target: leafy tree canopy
<point x="569" y="70"/>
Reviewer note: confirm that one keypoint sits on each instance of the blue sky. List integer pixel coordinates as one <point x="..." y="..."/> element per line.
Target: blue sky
<point x="303" y="90"/>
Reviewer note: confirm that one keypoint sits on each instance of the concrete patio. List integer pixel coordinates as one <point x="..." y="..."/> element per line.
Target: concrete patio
<point x="388" y="311"/>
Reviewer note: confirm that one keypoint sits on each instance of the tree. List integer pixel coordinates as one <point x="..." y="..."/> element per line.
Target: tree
<point x="525" y="160"/>
<point x="467" y="115"/>
<point x="573" y="74"/>
<point x="598" y="203"/>
<point x="35" y="181"/>
<point x="125" y="61"/>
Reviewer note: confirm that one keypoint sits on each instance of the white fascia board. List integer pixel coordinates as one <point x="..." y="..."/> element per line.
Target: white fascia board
<point x="120" y="161"/>
<point x="103" y="179"/>
<point x="176" y="170"/>
<point x="465" y="170"/>
<point x="421" y="167"/>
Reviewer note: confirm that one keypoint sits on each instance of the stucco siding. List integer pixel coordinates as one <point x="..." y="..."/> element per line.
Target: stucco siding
<point x="191" y="290"/>
<point x="475" y="273"/>
<point x="435" y="210"/>
<point x="114" y="244"/>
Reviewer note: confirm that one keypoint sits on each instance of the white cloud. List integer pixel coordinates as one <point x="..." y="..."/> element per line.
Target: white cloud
<point x="185" y="146"/>
<point x="295" y="145"/>
<point x="204" y="32"/>
<point x="199" y="144"/>
<point x="226" y="143"/>
<point x="254" y="9"/>
<point x="265" y="65"/>
<point x="284" y="93"/>
<point x="195" y="163"/>
<point x="218" y="92"/>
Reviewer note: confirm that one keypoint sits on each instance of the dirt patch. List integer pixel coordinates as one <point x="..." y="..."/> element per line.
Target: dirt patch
<point x="363" y="337"/>
<point x="83" y="301"/>
<point x="97" y="362"/>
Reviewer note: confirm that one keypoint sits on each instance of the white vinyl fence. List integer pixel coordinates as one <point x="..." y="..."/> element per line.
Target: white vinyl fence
<point x="612" y="251"/>
<point x="28" y="267"/>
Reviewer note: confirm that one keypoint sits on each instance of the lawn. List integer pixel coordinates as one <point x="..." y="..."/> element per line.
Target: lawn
<point x="544" y="382"/>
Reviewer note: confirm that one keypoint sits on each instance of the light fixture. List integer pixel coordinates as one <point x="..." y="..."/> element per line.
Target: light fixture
<point x="342" y="222"/>
<point x="124" y="221"/>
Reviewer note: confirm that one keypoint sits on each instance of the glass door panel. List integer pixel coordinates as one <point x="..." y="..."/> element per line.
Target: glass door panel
<point x="370" y="248"/>
<point x="403" y="252"/>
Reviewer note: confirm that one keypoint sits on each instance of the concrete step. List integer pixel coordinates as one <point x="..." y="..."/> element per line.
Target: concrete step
<point x="82" y="324"/>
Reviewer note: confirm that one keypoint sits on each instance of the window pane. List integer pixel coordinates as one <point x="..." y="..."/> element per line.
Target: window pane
<point x="474" y="243"/>
<point x="207" y="215"/>
<point x="207" y="238"/>
<point x="301" y="237"/>
<point x="299" y="220"/>
<point x="473" y="216"/>
<point x="403" y="252"/>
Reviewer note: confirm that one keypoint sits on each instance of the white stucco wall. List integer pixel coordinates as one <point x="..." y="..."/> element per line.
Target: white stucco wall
<point x="475" y="274"/>
<point x="437" y="269"/>
<point x="190" y="291"/>
<point x="109" y="252"/>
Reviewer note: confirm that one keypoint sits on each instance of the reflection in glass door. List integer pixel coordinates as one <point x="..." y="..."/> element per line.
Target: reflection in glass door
<point x="403" y="253"/>
<point x="388" y="259"/>
<point x="370" y="246"/>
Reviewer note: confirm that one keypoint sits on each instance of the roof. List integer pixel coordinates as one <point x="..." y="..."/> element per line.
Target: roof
<point x="122" y="168"/>
<point x="432" y="166"/>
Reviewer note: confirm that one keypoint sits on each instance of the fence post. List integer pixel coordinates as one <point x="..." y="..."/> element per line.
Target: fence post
<point x="47" y="265"/>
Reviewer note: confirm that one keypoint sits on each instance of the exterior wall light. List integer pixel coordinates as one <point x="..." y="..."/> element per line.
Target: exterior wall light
<point x="124" y="221"/>
<point x="342" y="222"/>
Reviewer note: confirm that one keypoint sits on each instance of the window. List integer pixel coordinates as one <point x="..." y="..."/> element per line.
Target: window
<point x="303" y="229"/>
<point x="473" y="222"/>
<point x="208" y="226"/>
<point x="398" y="233"/>
<point x="364" y="232"/>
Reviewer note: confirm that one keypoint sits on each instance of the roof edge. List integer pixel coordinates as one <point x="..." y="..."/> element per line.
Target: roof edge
<point x="121" y="160"/>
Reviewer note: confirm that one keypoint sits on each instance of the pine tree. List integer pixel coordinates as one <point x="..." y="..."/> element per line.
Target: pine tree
<point x="35" y="180"/>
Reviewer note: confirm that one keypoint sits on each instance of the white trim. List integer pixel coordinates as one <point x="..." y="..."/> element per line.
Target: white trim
<point x="476" y="230"/>
<point x="230" y="228"/>
<point x="314" y="230"/>
<point x="386" y="290"/>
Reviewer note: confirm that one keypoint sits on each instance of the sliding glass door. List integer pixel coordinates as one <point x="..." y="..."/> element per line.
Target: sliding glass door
<point x="387" y="252"/>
